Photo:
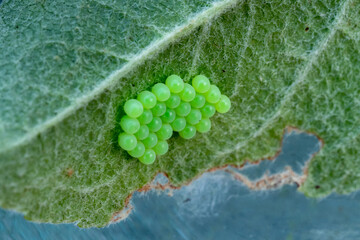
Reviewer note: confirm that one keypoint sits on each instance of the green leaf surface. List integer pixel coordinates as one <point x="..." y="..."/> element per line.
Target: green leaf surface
<point x="66" y="70"/>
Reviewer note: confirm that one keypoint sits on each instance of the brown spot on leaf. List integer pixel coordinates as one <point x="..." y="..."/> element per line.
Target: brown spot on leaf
<point x="69" y="172"/>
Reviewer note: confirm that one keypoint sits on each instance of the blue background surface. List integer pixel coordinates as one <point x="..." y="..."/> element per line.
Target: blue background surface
<point x="217" y="206"/>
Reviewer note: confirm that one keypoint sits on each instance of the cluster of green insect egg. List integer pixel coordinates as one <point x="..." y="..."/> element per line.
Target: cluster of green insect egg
<point x="152" y="118"/>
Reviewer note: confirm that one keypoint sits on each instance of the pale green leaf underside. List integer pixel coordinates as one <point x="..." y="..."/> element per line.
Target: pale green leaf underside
<point x="58" y="55"/>
<point x="281" y="62"/>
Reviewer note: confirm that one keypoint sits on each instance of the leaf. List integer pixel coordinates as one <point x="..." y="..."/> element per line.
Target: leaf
<point x="70" y="52"/>
<point x="282" y="64"/>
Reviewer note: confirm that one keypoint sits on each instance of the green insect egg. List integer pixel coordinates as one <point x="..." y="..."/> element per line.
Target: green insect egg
<point x="146" y="117"/>
<point x="150" y="141"/>
<point x="173" y="101"/>
<point x="155" y="124"/>
<point x="159" y="109"/>
<point x="183" y="109"/>
<point x="213" y="94"/>
<point x="129" y="125"/>
<point x="165" y="132"/>
<point x="204" y="125"/>
<point x="133" y="108"/>
<point x="188" y="132"/>
<point x="188" y="93"/>
<point x="152" y="118"/>
<point x="138" y="151"/>
<point x="147" y="99"/>
<point x="127" y="141"/>
<point x="148" y="157"/>
<point x="223" y="105"/>
<point x="142" y="133"/>
<point x="178" y="124"/>
<point x="169" y="116"/>
<point x="201" y="84"/>
<point x="161" y="148"/>
<point x="208" y="110"/>
<point x="161" y="91"/>
<point x="194" y="116"/>
<point x="175" y="83"/>
<point x="198" y="101"/>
